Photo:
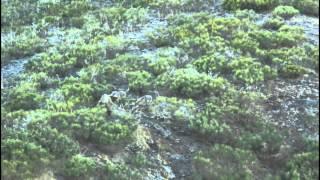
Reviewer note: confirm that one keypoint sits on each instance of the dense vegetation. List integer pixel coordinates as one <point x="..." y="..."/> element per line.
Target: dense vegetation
<point x="198" y="69"/>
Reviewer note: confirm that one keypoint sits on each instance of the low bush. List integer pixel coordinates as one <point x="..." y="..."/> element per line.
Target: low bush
<point x="257" y="5"/>
<point x="285" y="12"/>
<point x="22" y="159"/>
<point x="292" y="71"/>
<point x="303" y="166"/>
<point x="224" y="162"/>
<point x="274" y="23"/>
<point x="80" y="167"/>
<point x="177" y="110"/>
<point x="190" y="83"/>
<point x="22" y="44"/>
<point x="139" y="81"/>
<point x="251" y="71"/>
<point x="25" y="97"/>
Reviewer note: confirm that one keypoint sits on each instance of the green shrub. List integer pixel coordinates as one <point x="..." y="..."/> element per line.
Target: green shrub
<point x="138" y="160"/>
<point x="139" y="81"/>
<point x="315" y="57"/>
<point x="129" y="62"/>
<point x="309" y="7"/>
<point x="161" y="64"/>
<point x="58" y="144"/>
<point x="114" y="45"/>
<point x="246" y="14"/>
<point x="22" y="44"/>
<point x="121" y="172"/>
<point x="43" y="79"/>
<point x="25" y="96"/>
<point x="250" y="71"/>
<point x="80" y="167"/>
<point x="265" y="141"/>
<point x="80" y="93"/>
<point x="22" y="159"/>
<point x="265" y="38"/>
<point x="118" y="19"/>
<point x="224" y="162"/>
<point x="174" y="108"/>
<point x="53" y="63"/>
<point x="189" y="82"/>
<point x="292" y="71"/>
<point x="304" y="166"/>
<point x="285" y="11"/>
<point x="285" y="55"/>
<point x="92" y="124"/>
<point x="245" y="43"/>
<point x="213" y="63"/>
<point x="85" y="54"/>
<point x="257" y="5"/>
<point x="17" y="13"/>
<point x="289" y="36"/>
<point x="166" y="6"/>
<point x="274" y="23"/>
<point x="210" y="124"/>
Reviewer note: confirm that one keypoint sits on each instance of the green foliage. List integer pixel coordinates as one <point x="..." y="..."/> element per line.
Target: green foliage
<point x="265" y="38"/>
<point x="285" y="11"/>
<point x="22" y="159"/>
<point x="304" y="166"/>
<point x="18" y="45"/>
<point x="274" y="23"/>
<point x="139" y="80"/>
<point x="81" y="93"/>
<point x="198" y="34"/>
<point x="85" y="54"/>
<point x="174" y="108"/>
<point x="292" y="71"/>
<point x="166" y="6"/>
<point x="309" y="7"/>
<point x="246" y="14"/>
<point x="118" y="19"/>
<point x="80" y="166"/>
<point x="52" y="111"/>
<point x="224" y="162"/>
<point x="12" y="123"/>
<point x="114" y="45"/>
<point x="43" y="79"/>
<point x="210" y="123"/>
<point x="138" y="160"/>
<point x="289" y="36"/>
<point x="53" y="63"/>
<point x="25" y="96"/>
<point x="250" y="71"/>
<point x="129" y="62"/>
<point x="15" y="12"/>
<point x="294" y="55"/>
<point x="213" y="63"/>
<point x="315" y="57"/>
<point x="286" y="36"/>
<point x="245" y="43"/>
<point x="93" y="125"/>
<point x="161" y="62"/>
<point x="121" y="172"/>
<point x="189" y="82"/>
<point x="257" y="5"/>
<point x="58" y="144"/>
<point x="265" y="141"/>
